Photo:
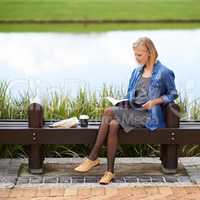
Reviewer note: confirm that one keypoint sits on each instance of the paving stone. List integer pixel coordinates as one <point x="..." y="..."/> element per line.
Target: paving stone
<point x="195" y="180"/>
<point x="91" y="179"/>
<point x="56" y="192"/>
<point x="145" y="179"/>
<point x="34" y="180"/>
<point x="8" y="179"/>
<point x="184" y="179"/>
<point x="131" y="179"/>
<point x="170" y="179"/>
<point x="2" y="174"/>
<point x="98" y="191"/>
<point x="157" y="179"/>
<point x="119" y="180"/>
<point x="71" y="191"/>
<point x="50" y="179"/>
<point x="4" y="162"/>
<point x="84" y="191"/>
<point x="78" y="180"/>
<point x="22" y="180"/>
<point x="43" y="192"/>
<point x="16" y="192"/>
<point x="29" y="192"/>
<point x="65" y="179"/>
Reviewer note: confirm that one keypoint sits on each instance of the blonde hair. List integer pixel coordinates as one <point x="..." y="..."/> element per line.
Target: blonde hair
<point x="149" y="45"/>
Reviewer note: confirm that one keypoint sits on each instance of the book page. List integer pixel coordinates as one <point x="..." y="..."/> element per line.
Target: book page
<point x="116" y="101"/>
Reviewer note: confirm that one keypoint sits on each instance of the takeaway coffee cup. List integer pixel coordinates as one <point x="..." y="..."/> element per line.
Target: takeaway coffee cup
<point x="83" y="120"/>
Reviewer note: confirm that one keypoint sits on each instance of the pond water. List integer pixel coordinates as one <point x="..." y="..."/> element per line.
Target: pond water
<point x="55" y="61"/>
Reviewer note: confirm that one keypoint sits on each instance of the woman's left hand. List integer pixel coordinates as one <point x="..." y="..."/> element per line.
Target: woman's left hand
<point x="149" y="104"/>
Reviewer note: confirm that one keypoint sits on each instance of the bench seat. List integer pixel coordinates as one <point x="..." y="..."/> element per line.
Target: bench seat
<point x="35" y="133"/>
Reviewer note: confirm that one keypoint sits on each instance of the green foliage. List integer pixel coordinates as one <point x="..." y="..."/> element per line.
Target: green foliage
<point x="59" y="105"/>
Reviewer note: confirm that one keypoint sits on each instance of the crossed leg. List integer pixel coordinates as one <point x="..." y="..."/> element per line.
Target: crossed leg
<point x="109" y="126"/>
<point x="102" y="133"/>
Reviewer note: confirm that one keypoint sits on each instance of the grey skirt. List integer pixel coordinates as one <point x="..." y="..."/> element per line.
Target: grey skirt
<point x="130" y="118"/>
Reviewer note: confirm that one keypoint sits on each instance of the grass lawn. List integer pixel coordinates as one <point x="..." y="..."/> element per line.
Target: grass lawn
<point x="96" y="10"/>
<point x="99" y="9"/>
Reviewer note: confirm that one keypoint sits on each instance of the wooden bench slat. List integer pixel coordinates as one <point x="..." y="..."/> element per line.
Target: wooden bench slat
<point x="16" y="136"/>
<point x="184" y="125"/>
<point x="18" y="132"/>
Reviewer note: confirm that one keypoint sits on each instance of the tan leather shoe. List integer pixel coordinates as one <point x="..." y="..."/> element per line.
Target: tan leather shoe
<point x="87" y="165"/>
<point x="107" y="178"/>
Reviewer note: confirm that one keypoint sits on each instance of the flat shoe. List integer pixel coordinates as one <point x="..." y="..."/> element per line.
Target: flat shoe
<point x="87" y="165"/>
<point x="107" y="178"/>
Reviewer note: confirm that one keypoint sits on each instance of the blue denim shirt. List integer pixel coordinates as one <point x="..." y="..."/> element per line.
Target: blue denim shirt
<point x="162" y="84"/>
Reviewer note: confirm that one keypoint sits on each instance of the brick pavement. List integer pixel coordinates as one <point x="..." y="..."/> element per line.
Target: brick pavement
<point x="101" y="193"/>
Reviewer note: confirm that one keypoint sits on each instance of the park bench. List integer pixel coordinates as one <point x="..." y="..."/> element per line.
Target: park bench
<point x="35" y="132"/>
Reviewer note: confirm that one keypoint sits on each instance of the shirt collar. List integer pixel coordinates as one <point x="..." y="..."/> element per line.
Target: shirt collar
<point x="155" y="66"/>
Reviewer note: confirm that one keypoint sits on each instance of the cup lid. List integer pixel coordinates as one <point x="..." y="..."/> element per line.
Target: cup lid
<point x="84" y="117"/>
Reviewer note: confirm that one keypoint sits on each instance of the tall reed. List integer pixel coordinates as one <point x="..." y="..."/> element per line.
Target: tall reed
<point x="59" y="105"/>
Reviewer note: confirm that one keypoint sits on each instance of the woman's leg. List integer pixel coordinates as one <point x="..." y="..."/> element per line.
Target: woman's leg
<point x="112" y="144"/>
<point x="108" y="115"/>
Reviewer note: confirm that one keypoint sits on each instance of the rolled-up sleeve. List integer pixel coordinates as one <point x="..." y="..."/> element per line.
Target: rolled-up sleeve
<point x="170" y="88"/>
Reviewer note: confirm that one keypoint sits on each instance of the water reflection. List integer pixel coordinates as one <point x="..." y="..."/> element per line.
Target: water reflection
<point x="62" y="60"/>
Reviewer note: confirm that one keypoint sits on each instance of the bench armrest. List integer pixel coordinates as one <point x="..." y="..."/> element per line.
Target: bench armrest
<point x="172" y="115"/>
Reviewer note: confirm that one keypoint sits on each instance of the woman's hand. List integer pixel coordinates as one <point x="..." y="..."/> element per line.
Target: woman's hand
<point x="151" y="103"/>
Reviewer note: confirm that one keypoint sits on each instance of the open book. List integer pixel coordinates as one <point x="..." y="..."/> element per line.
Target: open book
<point x="117" y="102"/>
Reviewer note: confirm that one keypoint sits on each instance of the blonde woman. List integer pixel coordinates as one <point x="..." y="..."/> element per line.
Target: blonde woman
<point x="151" y="85"/>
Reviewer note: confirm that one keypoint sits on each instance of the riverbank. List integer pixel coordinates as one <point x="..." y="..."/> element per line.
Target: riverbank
<point x="80" y="28"/>
<point x="87" y="15"/>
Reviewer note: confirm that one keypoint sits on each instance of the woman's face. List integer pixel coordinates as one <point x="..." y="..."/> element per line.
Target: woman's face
<point x="141" y="55"/>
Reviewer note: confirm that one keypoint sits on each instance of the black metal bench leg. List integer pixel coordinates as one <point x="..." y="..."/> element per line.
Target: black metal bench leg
<point x="36" y="158"/>
<point x="169" y="158"/>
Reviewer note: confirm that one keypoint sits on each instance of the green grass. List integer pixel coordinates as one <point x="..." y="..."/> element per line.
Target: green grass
<point x="90" y="28"/>
<point x="60" y="106"/>
<point x="99" y="9"/>
<point x="96" y="9"/>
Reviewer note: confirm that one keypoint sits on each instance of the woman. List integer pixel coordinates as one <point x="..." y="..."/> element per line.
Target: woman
<point x="150" y="86"/>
